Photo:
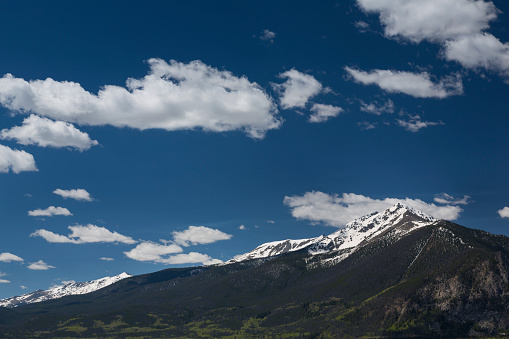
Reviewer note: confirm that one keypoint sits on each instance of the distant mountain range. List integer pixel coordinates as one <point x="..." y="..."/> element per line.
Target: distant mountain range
<point x="394" y="273"/>
<point x="62" y="291"/>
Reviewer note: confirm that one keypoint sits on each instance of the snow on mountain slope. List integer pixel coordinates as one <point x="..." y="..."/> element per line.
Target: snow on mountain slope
<point x="401" y="218"/>
<point x="62" y="291"/>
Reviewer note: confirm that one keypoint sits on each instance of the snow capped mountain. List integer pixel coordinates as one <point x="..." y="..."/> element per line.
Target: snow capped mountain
<point x="400" y="219"/>
<point x="62" y="291"/>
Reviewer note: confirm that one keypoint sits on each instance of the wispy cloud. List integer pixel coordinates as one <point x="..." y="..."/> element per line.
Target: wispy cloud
<point x="444" y="198"/>
<point x="365" y="125"/>
<point x="376" y="108"/>
<point x="414" y="123"/>
<point x="267" y="36"/>
<point x="49" y="212"/>
<point x="322" y="113"/>
<point x="39" y="266"/>
<point x="84" y="234"/>
<point x="418" y="85"/>
<point x="76" y="194"/>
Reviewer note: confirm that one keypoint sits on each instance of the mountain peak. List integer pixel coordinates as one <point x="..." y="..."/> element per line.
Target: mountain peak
<point x="400" y="219"/>
<point x="60" y="291"/>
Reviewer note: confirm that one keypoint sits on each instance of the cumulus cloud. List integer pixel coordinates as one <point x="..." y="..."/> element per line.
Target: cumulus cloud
<point x="106" y="259"/>
<point x="338" y="210"/>
<point x="297" y="89"/>
<point x="84" y="234"/>
<point x="242" y="227"/>
<point x="45" y="132"/>
<point x="16" y="161"/>
<point x="457" y="25"/>
<point x="151" y="251"/>
<point x="23" y="287"/>
<point x="376" y="108"/>
<point x="414" y="124"/>
<point x="173" y="96"/>
<point x="39" y="266"/>
<point x="322" y="113"/>
<point x="49" y="212"/>
<point x="195" y="235"/>
<point x="444" y="198"/>
<point x="4" y="281"/>
<point x="479" y="50"/>
<point x="267" y="36"/>
<point x="418" y="85"/>
<point x="76" y="194"/>
<point x="8" y="257"/>
<point x="504" y="212"/>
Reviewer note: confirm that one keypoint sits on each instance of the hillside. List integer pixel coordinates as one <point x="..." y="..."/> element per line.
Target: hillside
<point x="438" y="279"/>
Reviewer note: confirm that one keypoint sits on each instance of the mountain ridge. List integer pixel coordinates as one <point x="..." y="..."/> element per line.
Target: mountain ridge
<point x="348" y="237"/>
<point x="407" y="276"/>
<point x="75" y="288"/>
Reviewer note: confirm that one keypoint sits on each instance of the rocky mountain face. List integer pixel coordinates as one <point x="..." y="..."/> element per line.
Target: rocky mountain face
<point x="62" y="291"/>
<point x="397" y="273"/>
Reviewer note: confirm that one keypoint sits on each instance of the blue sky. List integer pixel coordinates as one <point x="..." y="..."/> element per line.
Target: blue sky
<point x="136" y="137"/>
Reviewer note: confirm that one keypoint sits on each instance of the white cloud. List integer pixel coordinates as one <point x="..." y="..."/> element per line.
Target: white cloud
<point x="2" y="274"/>
<point x="45" y="132"/>
<point x="39" y="266"/>
<point x="362" y="26"/>
<point x="376" y="108"/>
<point x="445" y="198"/>
<point x="297" y="89"/>
<point x="77" y="194"/>
<point x="3" y="281"/>
<point x="67" y="282"/>
<point x="151" y="251"/>
<point x="8" y="257"/>
<point x="173" y="96"/>
<point x="335" y="210"/>
<point x="504" y="212"/>
<point x="479" y="50"/>
<point x="271" y="221"/>
<point x="190" y="258"/>
<point x="242" y="227"/>
<point x="414" y="124"/>
<point x="23" y="287"/>
<point x="84" y="234"/>
<point x="322" y="113"/>
<point x="432" y="20"/>
<point x="49" y="212"/>
<point x="267" y="36"/>
<point x="16" y="161"/>
<point x="418" y="85"/>
<point x="457" y="25"/>
<point x="365" y="125"/>
<point x="199" y="235"/>
<point x="106" y="258"/>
